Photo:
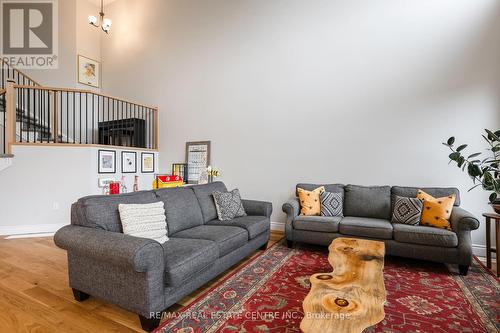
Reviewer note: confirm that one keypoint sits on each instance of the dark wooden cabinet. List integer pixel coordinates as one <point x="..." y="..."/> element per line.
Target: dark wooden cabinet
<point x="124" y="132"/>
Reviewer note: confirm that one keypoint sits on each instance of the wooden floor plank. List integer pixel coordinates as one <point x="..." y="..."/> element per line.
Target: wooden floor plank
<point x="35" y="295"/>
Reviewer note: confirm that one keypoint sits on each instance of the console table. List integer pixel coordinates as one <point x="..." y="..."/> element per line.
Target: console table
<point x="489" y="250"/>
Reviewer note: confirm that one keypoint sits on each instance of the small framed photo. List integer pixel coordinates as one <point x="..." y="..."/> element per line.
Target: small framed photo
<point x="106" y="161"/>
<point x="129" y="162"/>
<point x="147" y="162"/>
<point x="88" y="71"/>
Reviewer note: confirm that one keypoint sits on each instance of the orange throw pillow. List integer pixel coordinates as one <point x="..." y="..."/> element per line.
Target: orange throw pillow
<point x="437" y="211"/>
<point x="309" y="201"/>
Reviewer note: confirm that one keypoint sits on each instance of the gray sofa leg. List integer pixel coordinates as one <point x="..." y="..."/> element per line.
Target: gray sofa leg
<point x="289" y="243"/>
<point x="463" y="269"/>
<point x="149" y="324"/>
<point x="263" y="247"/>
<point x="80" y="296"/>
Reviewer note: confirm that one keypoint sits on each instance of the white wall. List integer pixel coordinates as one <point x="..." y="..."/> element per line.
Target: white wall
<point x="37" y="190"/>
<point x="321" y="91"/>
<point x="76" y="36"/>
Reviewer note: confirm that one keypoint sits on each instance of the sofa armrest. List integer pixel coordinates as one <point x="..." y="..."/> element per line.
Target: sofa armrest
<point x="463" y="220"/>
<point x="138" y="254"/>
<point x="254" y="207"/>
<point x="291" y="208"/>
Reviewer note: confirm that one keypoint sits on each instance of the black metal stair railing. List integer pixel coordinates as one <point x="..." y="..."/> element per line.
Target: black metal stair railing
<point x="58" y="115"/>
<point x="43" y="115"/>
<point x="3" y="145"/>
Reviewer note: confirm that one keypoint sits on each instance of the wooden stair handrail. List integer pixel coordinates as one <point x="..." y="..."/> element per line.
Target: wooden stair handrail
<point x="2" y="91"/>
<point x="82" y="91"/>
<point x="21" y="72"/>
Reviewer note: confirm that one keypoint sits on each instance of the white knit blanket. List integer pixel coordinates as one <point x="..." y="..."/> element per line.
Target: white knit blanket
<point x="144" y="220"/>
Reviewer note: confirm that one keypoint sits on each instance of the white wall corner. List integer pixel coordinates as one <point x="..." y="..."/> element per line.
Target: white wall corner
<point x="5" y="163"/>
<point x="278" y="226"/>
<point x="9" y="230"/>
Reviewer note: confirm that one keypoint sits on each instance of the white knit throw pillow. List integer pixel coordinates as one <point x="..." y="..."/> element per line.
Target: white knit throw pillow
<point x="144" y="220"/>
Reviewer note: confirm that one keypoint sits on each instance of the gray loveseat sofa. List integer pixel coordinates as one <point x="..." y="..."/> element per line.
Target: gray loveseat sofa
<point x="367" y="214"/>
<point x="142" y="275"/>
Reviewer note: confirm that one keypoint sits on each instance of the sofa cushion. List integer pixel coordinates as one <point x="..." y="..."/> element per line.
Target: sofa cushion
<point x="254" y="225"/>
<point x="206" y="199"/>
<point x="425" y="235"/>
<point x="335" y="188"/>
<point x="436" y="192"/>
<point x="181" y="208"/>
<point x="144" y="220"/>
<point x="366" y="227"/>
<point x="437" y="211"/>
<point x="317" y="223"/>
<point x="310" y="202"/>
<point x="185" y="257"/>
<point x="101" y="211"/>
<point x="228" y="205"/>
<point x="368" y="201"/>
<point x="332" y="204"/>
<point x="227" y="238"/>
<point x="407" y="210"/>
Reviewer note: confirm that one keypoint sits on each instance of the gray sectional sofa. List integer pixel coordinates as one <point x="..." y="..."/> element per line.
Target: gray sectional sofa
<point x="367" y="214"/>
<point x="142" y="275"/>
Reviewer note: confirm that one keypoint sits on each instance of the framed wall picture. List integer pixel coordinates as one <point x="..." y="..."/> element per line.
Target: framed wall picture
<point x="147" y="162"/>
<point x="129" y="162"/>
<point x="197" y="159"/>
<point x="106" y="161"/>
<point x="89" y="71"/>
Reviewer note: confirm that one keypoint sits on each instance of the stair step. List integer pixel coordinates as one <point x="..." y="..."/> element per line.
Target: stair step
<point x="6" y="155"/>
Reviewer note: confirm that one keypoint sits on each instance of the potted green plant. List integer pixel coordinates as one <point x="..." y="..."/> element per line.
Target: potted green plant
<point x="485" y="171"/>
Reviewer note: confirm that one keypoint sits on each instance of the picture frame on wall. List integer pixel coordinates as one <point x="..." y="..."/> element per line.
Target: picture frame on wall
<point x="147" y="162"/>
<point x="197" y="159"/>
<point x="129" y="162"/>
<point x="106" y="161"/>
<point x="89" y="71"/>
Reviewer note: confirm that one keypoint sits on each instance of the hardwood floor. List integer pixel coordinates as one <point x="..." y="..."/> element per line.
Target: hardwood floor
<point x="35" y="295"/>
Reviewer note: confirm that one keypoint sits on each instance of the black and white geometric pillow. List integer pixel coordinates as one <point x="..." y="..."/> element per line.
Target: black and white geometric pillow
<point x="228" y="205"/>
<point x="331" y="204"/>
<point x="407" y="210"/>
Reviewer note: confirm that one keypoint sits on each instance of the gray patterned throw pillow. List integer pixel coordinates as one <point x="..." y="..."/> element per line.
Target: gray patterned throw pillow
<point x="331" y="204"/>
<point x="228" y="205"/>
<point x="407" y="210"/>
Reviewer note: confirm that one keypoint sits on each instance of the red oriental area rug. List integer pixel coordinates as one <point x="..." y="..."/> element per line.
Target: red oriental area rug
<point x="266" y="295"/>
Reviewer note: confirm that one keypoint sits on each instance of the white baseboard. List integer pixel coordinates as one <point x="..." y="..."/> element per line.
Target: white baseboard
<point x="480" y="251"/>
<point x="10" y="230"/>
<point x="278" y="226"/>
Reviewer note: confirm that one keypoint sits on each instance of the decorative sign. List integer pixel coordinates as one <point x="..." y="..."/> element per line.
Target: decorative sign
<point x="197" y="159"/>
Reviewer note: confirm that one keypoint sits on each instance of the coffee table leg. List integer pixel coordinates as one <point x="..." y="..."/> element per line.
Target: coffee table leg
<point x="488" y="243"/>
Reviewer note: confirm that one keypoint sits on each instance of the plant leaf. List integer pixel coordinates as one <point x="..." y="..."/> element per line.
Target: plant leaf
<point x="474" y="155"/>
<point x="454" y="156"/>
<point x="451" y="141"/>
<point x="462" y="147"/>
<point x="493" y="197"/>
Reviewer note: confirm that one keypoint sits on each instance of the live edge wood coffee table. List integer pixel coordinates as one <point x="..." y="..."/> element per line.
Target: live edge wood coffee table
<point x="352" y="297"/>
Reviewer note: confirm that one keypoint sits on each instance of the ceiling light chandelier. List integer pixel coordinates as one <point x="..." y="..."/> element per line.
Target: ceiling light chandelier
<point x="104" y="23"/>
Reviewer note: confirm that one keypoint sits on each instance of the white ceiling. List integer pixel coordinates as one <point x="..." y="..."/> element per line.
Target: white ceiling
<point x="98" y="2"/>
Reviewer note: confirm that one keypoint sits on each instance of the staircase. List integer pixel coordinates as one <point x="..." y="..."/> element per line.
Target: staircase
<point x="37" y="115"/>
